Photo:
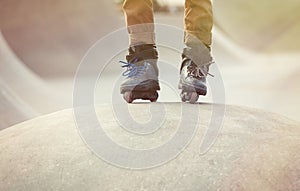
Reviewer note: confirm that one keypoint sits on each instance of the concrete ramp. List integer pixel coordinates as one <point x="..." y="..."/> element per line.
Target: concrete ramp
<point x="51" y="37"/>
<point x="13" y="110"/>
<point x="46" y="39"/>
<point x="254" y="150"/>
<point x="23" y="94"/>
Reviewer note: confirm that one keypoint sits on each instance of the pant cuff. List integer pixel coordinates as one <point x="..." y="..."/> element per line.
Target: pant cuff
<point x="141" y="34"/>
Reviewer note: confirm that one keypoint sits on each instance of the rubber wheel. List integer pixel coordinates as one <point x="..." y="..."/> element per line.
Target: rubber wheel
<point x="154" y="98"/>
<point x="128" y="97"/>
<point x="182" y="97"/>
<point x="185" y="96"/>
<point x="193" y="97"/>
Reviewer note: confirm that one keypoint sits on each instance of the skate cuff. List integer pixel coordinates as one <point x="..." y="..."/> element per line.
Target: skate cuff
<point x="145" y="54"/>
<point x="200" y="55"/>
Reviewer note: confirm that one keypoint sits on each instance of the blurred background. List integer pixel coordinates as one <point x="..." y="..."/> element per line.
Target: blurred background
<point x="256" y="46"/>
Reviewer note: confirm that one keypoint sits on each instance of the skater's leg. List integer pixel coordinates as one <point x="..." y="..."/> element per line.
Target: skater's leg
<point x="140" y="24"/>
<point x="141" y="66"/>
<point x="140" y="21"/>
<point x="196" y="57"/>
<point x="198" y="22"/>
<point x="198" y="32"/>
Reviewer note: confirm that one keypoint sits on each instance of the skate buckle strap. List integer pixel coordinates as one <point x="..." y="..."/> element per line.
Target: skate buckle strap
<point x="132" y="70"/>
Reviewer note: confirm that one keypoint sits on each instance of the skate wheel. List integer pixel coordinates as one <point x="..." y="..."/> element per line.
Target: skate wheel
<point x="128" y="97"/>
<point x="185" y="96"/>
<point x="154" y="98"/>
<point x="193" y="97"/>
<point x="182" y="97"/>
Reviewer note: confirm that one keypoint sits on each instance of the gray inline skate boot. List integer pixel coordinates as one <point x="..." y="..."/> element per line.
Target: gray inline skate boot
<point x="141" y="74"/>
<point x="192" y="81"/>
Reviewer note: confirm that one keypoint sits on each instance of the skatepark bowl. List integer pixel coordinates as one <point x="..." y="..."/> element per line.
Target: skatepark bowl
<point x="66" y="127"/>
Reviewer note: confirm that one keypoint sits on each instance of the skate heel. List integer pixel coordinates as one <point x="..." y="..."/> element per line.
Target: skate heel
<point x="130" y="96"/>
<point x="146" y="90"/>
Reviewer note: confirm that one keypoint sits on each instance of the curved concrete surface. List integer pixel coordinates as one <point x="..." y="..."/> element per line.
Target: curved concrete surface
<point x="51" y="37"/>
<point x="13" y="110"/>
<point x="23" y="94"/>
<point x="255" y="150"/>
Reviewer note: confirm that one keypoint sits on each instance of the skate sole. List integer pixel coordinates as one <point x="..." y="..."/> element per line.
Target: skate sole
<point x="130" y="96"/>
<point x="146" y="86"/>
<point x="189" y="88"/>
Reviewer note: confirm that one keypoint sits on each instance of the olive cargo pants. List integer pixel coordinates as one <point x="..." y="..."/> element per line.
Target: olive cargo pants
<point x="198" y="19"/>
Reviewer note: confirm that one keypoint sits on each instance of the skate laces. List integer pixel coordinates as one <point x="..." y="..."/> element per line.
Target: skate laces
<point x="132" y="70"/>
<point x="198" y="71"/>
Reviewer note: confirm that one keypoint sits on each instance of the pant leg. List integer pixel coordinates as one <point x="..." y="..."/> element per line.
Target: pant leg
<point x="198" y="18"/>
<point x="139" y="21"/>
